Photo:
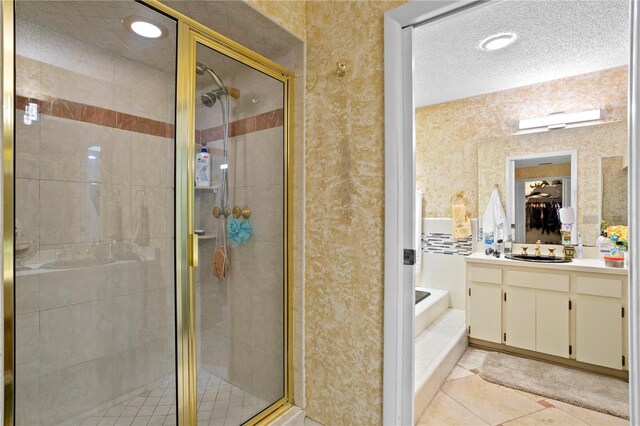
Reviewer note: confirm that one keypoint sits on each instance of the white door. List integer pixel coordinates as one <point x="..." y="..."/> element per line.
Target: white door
<point x="485" y="318"/>
<point x="552" y="323"/>
<point x="520" y="320"/>
<point x="599" y="331"/>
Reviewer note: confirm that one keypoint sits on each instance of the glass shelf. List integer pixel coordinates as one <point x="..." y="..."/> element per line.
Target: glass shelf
<point x="206" y="237"/>
<point x="214" y="187"/>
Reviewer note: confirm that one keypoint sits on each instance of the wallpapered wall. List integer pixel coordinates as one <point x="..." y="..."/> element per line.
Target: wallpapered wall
<point x="463" y="144"/>
<point x="344" y="166"/>
<point x="614" y="182"/>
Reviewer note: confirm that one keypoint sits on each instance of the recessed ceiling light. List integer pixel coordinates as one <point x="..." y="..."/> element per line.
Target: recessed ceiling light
<point x="145" y="27"/>
<point x="497" y="41"/>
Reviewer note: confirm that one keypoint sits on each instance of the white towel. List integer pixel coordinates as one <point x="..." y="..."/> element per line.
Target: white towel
<point x="494" y="218"/>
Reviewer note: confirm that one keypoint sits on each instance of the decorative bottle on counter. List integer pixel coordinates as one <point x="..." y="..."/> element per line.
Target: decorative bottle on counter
<point x="508" y="244"/>
<point x="203" y="168"/>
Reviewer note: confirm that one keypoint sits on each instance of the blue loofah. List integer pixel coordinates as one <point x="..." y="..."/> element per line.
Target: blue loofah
<point x="239" y="231"/>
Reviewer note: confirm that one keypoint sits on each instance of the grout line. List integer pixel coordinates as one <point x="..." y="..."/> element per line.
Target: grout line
<point x="524" y="415"/>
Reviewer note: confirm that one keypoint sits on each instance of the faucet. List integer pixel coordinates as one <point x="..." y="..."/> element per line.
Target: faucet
<point x="538" y="248"/>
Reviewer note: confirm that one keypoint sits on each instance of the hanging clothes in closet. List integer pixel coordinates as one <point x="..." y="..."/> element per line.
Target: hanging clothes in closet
<point x="543" y="215"/>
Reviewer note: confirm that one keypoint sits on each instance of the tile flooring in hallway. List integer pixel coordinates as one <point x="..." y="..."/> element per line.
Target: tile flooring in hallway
<point x="466" y="399"/>
<point x="219" y="403"/>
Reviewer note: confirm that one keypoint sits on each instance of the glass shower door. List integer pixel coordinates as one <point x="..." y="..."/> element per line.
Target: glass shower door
<point x="94" y="216"/>
<point x="240" y="217"/>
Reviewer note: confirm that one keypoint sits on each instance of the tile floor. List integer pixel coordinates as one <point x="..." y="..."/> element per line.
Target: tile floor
<point x="434" y="339"/>
<point x="219" y="403"/>
<point x="466" y="399"/>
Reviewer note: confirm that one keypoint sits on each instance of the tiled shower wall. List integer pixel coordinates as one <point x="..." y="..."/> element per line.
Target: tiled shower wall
<point x="241" y="317"/>
<point x="86" y="337"/>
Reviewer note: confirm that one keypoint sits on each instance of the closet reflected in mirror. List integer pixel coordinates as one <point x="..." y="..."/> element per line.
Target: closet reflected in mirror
<point x="542" y="186"/>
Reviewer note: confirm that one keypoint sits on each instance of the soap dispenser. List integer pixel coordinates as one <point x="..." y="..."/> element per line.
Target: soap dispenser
<point x="203" y="167"/>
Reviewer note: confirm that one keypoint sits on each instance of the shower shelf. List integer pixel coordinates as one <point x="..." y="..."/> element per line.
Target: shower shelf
<point x="214" y="187"/>
<point x="206" y="237"/>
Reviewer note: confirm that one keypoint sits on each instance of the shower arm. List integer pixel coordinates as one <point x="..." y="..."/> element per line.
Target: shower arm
<point x="231" y="91"/>
<point x="217" y="80"/>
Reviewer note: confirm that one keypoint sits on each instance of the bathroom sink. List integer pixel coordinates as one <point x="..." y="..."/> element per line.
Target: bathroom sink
<point x="539" y="259"/>
<point x="79" y="263"/>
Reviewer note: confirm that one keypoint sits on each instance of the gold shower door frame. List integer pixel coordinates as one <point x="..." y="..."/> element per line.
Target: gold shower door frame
<point x="190" y="33"/>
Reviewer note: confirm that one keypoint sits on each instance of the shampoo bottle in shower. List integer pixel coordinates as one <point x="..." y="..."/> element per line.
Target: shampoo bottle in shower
<point x="203" y="168"/>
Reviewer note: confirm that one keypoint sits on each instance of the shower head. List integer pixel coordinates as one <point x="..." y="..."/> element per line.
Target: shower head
<point x="208" y="99"/>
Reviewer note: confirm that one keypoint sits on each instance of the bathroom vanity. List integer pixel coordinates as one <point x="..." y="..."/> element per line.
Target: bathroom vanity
<point x="569" y="313"/>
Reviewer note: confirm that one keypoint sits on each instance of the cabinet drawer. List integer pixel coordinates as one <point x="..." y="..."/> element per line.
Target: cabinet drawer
<point x="606" y="287"/>
<point x="486" y="275"/>
<point x="553" y="282"/>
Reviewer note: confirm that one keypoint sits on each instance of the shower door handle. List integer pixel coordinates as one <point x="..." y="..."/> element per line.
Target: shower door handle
<point x="193" y="255"/>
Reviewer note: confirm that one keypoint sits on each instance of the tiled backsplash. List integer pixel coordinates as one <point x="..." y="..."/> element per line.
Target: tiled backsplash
<point x="437" y="237"/>
<point x="446" y="244"/>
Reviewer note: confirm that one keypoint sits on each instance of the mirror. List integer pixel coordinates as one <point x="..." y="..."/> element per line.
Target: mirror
<point x="538" y="187"/>
<point x="613" y="190"/>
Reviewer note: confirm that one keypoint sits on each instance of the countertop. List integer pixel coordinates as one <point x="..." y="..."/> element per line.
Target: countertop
<point x="580" y="265"/>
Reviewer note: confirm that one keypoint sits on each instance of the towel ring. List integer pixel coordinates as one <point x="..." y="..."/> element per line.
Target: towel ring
<point x="459" y="196"/>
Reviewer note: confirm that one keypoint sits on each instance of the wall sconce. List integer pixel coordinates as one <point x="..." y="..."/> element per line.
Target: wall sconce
<point x="559" y="120"/>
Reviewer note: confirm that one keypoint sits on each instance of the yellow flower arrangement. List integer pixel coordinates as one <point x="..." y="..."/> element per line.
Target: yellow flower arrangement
<point x="621" y="231"/>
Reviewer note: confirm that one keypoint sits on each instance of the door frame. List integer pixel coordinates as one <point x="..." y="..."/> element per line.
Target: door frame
<point x="399" y="204"/>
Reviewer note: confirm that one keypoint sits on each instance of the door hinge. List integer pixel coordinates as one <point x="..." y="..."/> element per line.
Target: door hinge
<point x="623" y="361"/>
<point x="505" y="337"/>
<point x="469" y="329"/>
<point x="505" y="296"/>
<point x="623" y="312"/>
<point x="570" y="350"/>
<point x="569" y="304"/>
<point x="409" y="257"/>
<point x="469" y="292"/>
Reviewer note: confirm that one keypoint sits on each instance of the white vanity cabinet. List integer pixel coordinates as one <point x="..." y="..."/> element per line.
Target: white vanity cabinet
<point x="520" y="318"/>
<point x="568" y="313"/>
<point x="599" y="321"/>
<point x="485" y="310"/>
<point x="537" y="311"/>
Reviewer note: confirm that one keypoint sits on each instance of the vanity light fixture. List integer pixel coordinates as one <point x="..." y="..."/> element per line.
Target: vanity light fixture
<point x="145" y="27"/>
<point x="497" y="41"/>
<point x="560" y="120"/>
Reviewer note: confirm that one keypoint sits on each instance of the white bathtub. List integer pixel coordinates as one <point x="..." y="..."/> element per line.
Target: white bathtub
<point x="429" y="309"/>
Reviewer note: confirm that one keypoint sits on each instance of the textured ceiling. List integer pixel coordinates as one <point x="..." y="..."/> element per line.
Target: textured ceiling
<point x="556" y="39"/>
<point x="98" y="23"/>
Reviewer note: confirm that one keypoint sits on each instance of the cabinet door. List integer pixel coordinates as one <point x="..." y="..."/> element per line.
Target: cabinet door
<point x="552" y="323"/>
<point x="599" y="331"/>
<point x="520" y="318"/>
<point x="485" y="318"/>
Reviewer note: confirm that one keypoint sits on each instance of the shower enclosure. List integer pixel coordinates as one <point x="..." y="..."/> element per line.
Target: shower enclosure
<point x="114" y="312"/>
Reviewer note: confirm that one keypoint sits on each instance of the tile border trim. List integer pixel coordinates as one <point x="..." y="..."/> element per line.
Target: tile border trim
<point x="256" y="123"/>
<point x="71" y="110"/>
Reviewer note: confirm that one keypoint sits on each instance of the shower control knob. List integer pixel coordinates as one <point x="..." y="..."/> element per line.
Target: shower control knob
<point x="216" y="212"/>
